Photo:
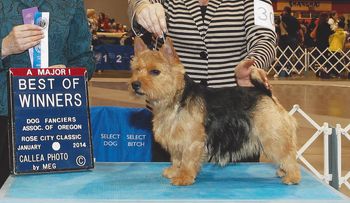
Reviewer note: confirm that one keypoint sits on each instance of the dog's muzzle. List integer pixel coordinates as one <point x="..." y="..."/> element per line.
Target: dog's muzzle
<point x="136" y="86"/>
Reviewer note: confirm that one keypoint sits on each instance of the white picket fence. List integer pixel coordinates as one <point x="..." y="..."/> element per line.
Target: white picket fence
<point x="343" y="132"/>
<point x="300" y="60"/>
<point x="326" y="131"/>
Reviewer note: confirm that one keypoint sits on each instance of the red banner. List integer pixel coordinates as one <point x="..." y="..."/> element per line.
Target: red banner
<point x="47" y="71"/>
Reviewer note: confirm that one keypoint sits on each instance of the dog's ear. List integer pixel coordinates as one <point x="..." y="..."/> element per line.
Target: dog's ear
<point x="139" y="46"/>
<point x="169" y="52"/>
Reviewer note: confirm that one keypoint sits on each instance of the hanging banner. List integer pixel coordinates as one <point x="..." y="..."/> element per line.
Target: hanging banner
<point x="305" y="5"/>
<point x="50" y="124"/>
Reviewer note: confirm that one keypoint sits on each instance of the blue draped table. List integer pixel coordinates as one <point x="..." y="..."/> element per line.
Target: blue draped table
<point x="137" y="182"/>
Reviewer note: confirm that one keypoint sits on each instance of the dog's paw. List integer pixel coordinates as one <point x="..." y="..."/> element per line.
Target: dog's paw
<point x="280" y="173"/>
<point x="291" y="179"/>
<point x="170" y="172"/>
<point x="182" y="180"/>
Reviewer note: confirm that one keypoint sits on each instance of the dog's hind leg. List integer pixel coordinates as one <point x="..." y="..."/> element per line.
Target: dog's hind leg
<point x="276" y="131"/>
<point x="281" y="151"/>
<point x="291" y="168"/>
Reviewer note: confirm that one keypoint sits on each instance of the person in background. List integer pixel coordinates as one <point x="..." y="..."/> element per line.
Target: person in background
<point x="333" y="20"/>
<point x="291" y="40"/>
<point x="342" y="19"/>
<point x="302" y="32"/>
<point x="214" y="39"/>
<point x="293" y="28"/>
<point x="282" y="42"/>
<point x="278" y="30"/>
<point x="283" y="34"/>
<point x="323" y="32"/>
<point x="309" y="40"/>
<point x="69" y="45"/>
<point x="322" y="43"/>
<point x="336" y="45"/>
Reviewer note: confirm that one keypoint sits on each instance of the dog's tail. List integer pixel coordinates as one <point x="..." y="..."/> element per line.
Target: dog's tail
<point x="257" y="78"/>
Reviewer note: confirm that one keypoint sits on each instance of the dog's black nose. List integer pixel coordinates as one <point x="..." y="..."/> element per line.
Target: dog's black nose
<point x="136" y="85"/>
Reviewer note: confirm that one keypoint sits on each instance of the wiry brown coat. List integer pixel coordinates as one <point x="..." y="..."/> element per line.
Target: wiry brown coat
<point x="193" y="124"/>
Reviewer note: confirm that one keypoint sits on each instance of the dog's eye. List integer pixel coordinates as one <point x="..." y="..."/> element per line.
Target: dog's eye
<point x="154" y="72"/>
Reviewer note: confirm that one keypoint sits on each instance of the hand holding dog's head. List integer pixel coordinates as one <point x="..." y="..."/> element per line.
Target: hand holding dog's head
<point x="156" y="73"/>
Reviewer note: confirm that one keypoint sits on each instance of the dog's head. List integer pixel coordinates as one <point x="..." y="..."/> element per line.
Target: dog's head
<point x="156" y="74"/>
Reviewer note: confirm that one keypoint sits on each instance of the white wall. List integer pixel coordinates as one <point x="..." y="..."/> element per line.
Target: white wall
<point x="116" y="9"/>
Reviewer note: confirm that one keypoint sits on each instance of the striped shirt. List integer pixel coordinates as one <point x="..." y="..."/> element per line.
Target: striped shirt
<point x="211" y="48"/>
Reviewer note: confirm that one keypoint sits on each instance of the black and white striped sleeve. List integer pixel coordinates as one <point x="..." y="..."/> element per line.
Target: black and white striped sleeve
<point x="261" y="41"/>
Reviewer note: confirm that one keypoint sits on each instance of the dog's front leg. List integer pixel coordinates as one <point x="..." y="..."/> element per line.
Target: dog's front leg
<point x="172" y="170"/>
<point x="192" y="158"/>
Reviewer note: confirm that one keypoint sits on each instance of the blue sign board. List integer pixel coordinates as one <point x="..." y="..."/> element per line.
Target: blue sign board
<point x="50" y="127"/>
<point x="121" y="134"/>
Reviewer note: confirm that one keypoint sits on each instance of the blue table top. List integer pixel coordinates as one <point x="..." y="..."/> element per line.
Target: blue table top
<point x="110" y="182"/>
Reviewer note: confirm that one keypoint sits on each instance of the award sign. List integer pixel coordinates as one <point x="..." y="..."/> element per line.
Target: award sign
<point x="50" y="122"/>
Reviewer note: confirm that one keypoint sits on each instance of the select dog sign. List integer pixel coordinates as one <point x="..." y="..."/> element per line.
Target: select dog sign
<point x="50" y="123"/>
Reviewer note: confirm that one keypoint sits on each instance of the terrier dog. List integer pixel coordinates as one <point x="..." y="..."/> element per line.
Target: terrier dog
<point x="195" y="123"/>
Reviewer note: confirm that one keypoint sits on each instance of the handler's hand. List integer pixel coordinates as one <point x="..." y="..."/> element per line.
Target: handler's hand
<point x="152" y="18"/>
<point x="244" y="70"/>
<point x="20" y="39"/>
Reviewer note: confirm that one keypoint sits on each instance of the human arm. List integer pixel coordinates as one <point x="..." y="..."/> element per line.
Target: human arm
<point x="147" y="15"/>
<point x="79" y="41"/>
<point x="261" y="41"/>
<point x="261" y="47"/>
